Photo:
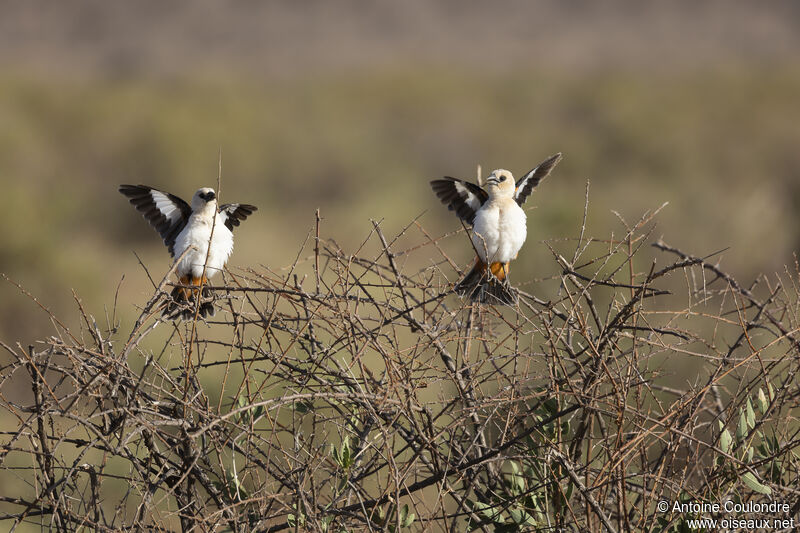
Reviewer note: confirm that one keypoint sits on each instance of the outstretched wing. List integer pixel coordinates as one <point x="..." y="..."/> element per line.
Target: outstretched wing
<point x="166" y="212"/>
<point x="529" y="181"/>
<point x="233" y="214"/>
<point x="461" y="196"/>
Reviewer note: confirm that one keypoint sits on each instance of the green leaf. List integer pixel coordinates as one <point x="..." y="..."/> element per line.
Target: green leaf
<point x="763" y="449"/>
<point x="382" y="514"/>
<point x="303" y="407"/>
<point x="751" y="416"/>
<point x="741" y="430"/>
<point x="725" y="440"/>
<point x="751" y="481"/>
<point x="551" y="406"/>
<point x="347" y="460"/>
<point x="235" y="487"/>
<point x="529" y="471"/>
<point x="405" y="518"/>
<point x="335" y="454"/>
<point x="242" y="416"/>
<point x="516" y="481"/>
<point x="521" y="517"/>
<point x="486" y="510"/>
<point x="763" y="404"/>
<point x="343" y="455"/>
<point x="529" y="519"/>
<point x="533" y="504"/>
<point x="519" y="483"/>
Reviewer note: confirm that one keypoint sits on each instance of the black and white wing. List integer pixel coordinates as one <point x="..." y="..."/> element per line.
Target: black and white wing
<point x="529" y="181"/>
<point x="461" y="196"/>
<point x="166" y="212"/>
<point x="233" y="214"/>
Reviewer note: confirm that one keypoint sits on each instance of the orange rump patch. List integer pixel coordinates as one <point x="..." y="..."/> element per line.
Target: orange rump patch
<point x="185" y="293"/>
<point x="499" y="270"/>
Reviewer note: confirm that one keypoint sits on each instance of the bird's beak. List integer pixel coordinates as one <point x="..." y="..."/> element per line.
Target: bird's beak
<point x="211" y="196"/>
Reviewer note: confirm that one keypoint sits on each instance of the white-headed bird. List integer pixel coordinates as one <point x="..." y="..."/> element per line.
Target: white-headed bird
<point x="184" y="227"/>
<point x="498" y="223"/>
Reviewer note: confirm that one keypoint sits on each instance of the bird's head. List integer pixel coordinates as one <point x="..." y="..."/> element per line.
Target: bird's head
<point x="203" y="197"/>
<point x="500" y="183"/>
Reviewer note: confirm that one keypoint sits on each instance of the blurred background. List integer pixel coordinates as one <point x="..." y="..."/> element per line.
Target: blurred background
<point x="352" y="107"/>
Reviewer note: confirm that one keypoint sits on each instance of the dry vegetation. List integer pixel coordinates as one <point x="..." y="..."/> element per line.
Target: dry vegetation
<point x="362" y="397"/>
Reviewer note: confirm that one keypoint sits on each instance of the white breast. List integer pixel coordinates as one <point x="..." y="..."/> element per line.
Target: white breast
<point x="196" y="234"/>
<point x="499" y="230"/>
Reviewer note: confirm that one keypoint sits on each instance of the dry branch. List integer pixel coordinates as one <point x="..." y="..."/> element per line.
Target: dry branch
<point x="349" y="392"/>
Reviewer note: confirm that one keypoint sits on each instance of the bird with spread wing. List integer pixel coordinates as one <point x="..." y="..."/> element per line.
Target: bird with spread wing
<point x="199" y="236"/>
<point x="499" y="226"/>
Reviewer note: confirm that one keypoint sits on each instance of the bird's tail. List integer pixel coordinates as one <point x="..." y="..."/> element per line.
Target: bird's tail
<point x="182" y="302"/>
<point x="487" y="284"/>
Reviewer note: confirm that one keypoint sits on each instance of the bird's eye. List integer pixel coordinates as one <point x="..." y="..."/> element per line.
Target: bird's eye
<point x="502" y="178"/>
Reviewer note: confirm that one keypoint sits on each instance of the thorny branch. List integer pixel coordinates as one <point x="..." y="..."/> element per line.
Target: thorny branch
<point x="352" y="391"/>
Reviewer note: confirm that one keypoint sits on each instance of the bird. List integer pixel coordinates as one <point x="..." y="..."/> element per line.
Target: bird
<point x="189" y="227"/>
<point x="499" y="226"/>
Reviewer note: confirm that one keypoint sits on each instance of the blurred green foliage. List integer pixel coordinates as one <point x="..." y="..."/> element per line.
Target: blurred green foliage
<point x="721" y="147"/>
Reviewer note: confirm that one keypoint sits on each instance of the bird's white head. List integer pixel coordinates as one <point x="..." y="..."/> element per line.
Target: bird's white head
<point x="203" y="198"/>
<point x="500" y="184"/>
